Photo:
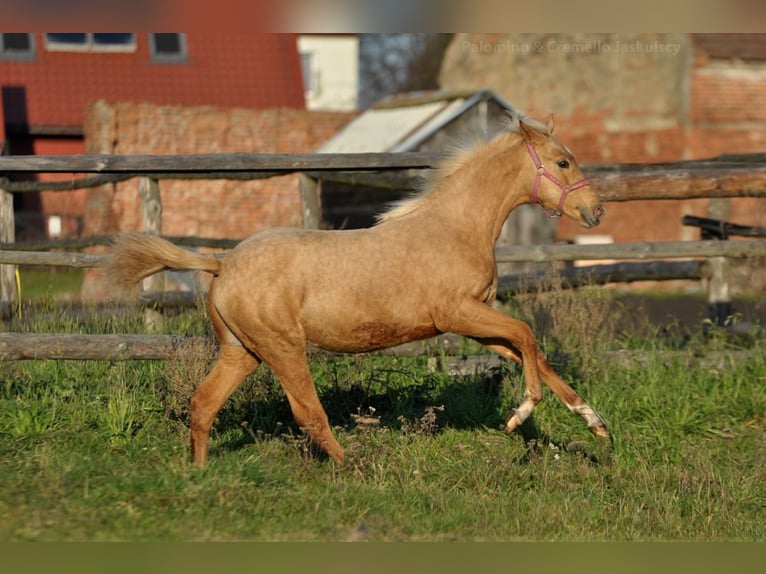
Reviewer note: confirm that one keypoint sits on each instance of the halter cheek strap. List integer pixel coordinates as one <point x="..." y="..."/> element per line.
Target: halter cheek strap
<point x="543" y="172"/>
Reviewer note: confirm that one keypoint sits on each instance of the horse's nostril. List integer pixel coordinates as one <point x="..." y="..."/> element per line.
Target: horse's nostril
<point x="599" y="212"/>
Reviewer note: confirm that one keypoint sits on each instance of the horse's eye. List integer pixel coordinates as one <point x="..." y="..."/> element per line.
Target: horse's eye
<point x="563" y="164"/>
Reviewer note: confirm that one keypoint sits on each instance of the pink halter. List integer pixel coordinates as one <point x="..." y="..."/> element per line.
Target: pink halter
<point x="565" y="189"/>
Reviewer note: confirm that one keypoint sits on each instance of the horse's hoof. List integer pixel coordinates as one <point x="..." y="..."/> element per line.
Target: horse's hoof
<point x="600" y="431"/>
<point x="512" y="424"/>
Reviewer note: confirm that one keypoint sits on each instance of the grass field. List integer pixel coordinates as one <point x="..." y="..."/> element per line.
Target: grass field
<point x="98" y="451"/>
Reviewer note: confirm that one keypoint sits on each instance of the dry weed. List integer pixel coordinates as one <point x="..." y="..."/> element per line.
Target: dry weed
<point x="366" y="422"/>
<point x="425" y="425"/>
<point x="578" y="322"/>
<point x="183" y="373"/>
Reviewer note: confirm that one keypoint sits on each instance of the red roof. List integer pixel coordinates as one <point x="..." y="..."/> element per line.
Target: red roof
<point x="228" y="70"/>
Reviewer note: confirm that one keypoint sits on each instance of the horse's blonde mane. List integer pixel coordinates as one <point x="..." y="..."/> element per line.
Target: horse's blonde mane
<point x="460" y="154"/>
<point x="457" y="158"/>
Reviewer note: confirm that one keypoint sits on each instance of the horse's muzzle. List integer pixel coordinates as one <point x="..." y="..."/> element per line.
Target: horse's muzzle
<point x="592" y="219"/>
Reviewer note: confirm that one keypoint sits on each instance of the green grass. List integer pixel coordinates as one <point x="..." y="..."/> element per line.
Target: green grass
<point x="98" y="451"/>
<point x="54" y="283"/>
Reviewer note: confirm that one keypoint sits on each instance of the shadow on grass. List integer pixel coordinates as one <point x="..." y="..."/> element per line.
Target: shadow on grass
<point x="477" y="401"/>
<point x="537" y="441"/>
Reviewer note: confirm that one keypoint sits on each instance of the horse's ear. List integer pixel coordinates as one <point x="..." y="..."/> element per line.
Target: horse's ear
<point x="529" y="133"/>
<point x="549" y="124"/>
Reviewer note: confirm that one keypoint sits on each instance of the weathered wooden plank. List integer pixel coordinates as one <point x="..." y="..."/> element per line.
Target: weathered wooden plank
<point x="9" y="299"/>
<point x="78" y="260"/>
<point x="24" y="346"/>
<point x="30" y="346"/>
<point x="96" y="240"/>
<point x="639" y="251"/>
<point x="310" y="202"/>
<point x="151" y="205"/>
<point x="237" y="162"/>
<point x="572" y="278"/>
<point x="679" y="180"/>
<point x="537" y="253"/>
<point x="722" y="229"/>
<point x="151" y="221"/>
<point x="726" y="176"/>
<point x="68" y="185"/>
<point x="200" y="163"/>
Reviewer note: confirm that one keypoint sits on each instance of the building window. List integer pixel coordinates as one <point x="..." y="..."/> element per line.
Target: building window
<point x="17" y="46"/>
<point x="309" y="73"/>
<point x="168" y="48"/>
<point x="90" y="42"/>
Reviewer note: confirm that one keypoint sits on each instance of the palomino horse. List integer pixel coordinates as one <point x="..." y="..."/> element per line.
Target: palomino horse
<point x="427" y="267"/>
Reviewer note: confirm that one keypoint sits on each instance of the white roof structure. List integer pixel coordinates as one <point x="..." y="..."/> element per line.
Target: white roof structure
<point x="404" y="122"/>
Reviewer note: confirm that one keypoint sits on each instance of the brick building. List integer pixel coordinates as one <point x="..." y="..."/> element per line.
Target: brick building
<point x="217" y="208"/>
<point x="209" y="208"/>
<point x="46" y="81"/>
<point x="632" y="98"/>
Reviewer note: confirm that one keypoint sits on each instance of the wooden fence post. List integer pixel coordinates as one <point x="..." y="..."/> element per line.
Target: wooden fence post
<point x="310" y="205"/>
<point x="9" y="300"/>
<point x="718" y="294"/>
<point x="151" y="221"/>
<point x="151" y="208"/>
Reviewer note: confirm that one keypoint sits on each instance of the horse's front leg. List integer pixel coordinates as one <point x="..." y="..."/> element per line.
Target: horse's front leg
<point x="511" y="338"/>
<point x="573" y="401"/>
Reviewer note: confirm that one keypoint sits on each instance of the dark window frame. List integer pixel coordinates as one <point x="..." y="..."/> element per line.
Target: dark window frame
<point x="163" y="57"/>
<point x="15" y="54"/>
<point x="90" y="44"/>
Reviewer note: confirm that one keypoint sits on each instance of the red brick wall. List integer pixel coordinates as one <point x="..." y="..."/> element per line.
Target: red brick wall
<point x="727" y="115"/>
<point x="614" y="106"/>
<point x="207" y="208"/>
<point x="231" y="70"/>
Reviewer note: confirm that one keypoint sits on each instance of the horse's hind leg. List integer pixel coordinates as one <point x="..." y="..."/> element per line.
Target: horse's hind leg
<point x="293" y="372"/>
<point x="233" y="365"/>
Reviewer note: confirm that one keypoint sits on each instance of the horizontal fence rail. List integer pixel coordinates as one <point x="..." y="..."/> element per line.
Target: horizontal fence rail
<point x="592" y="275"/>
<point x="640" y="250"/>
<point x="445" y="350"/>
<point x="519" y="253"/>
<point x="724" y="176"/>
<point x="29" y="346"/>
<point x="216" y="163"/>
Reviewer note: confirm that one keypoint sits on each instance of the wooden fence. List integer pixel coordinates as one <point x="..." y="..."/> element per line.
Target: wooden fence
<point x="722" y="177"/>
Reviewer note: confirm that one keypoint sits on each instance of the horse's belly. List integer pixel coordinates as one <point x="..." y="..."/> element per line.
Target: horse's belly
<point x="368" y="336"/>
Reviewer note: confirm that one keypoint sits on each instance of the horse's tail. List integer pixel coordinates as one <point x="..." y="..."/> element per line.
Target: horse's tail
<point x="137" y="256"/>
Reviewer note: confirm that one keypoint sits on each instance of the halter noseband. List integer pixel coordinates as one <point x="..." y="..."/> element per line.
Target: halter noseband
<point x="565" y="189"/>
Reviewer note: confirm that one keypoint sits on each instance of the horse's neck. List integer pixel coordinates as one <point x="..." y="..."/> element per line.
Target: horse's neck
<point x="478" y="198"/>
